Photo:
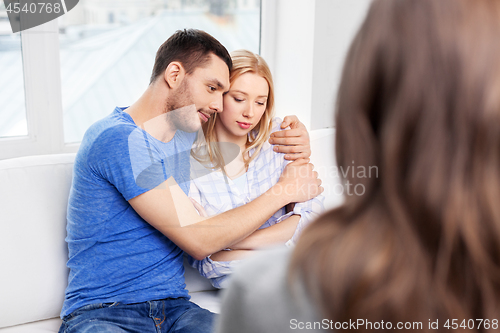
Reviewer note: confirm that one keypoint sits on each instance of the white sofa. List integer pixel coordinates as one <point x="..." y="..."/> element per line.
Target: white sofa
<point x="33" y="253"/>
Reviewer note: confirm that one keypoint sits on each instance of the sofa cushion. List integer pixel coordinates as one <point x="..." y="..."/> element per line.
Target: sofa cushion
<point x="43" y="326"/>
<point x="209" y="300"/>
<point x="34" y="196"/>
<point x="33" y="253"/>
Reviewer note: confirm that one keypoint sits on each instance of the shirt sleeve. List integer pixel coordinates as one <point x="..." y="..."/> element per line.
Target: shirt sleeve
<point x="194" y="192"/>
<point x="125" y="157"/>
<point x="308" y="210"/>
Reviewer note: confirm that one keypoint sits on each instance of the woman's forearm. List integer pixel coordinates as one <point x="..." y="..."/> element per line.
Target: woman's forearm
<point x="231" y="255"/>
<point x="279" y="233"/>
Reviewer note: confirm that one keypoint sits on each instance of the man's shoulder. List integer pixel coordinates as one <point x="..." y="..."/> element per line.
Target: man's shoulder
<point x="109" y="132"/>
<point x="106" y="139"/>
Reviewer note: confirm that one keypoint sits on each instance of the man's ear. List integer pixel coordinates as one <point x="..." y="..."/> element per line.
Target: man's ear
<point x="174" y="74"/>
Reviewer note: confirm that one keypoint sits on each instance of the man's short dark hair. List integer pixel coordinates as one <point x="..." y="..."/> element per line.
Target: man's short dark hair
<point x="192" y="48"/>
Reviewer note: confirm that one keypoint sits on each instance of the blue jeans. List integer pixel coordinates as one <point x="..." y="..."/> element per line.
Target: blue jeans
<point x="169" y="315"/>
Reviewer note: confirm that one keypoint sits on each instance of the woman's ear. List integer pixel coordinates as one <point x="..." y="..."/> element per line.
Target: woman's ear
<point x="174" y="74"/>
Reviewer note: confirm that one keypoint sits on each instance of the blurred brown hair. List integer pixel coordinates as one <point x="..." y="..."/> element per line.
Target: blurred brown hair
<point x="419" y="99"/>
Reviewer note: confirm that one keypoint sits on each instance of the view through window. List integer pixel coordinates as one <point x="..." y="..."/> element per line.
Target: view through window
<point x="13" y="110"/>
<point x="108" y="47"/>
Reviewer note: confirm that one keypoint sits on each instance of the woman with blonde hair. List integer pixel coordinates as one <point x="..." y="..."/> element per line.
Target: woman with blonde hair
<point x="420" y="250"/>
<point x="244" y="165"/>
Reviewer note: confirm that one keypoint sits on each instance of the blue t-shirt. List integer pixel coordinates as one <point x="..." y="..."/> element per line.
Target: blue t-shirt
<point x="114" y="254"/>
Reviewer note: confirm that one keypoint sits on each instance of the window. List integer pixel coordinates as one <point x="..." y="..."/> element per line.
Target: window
<point x="108" y="48"/>
<point x="13" y="110"/>
<point x="74" y="70"/>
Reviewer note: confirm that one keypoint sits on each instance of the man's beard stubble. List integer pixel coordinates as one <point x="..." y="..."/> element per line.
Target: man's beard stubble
<point x="180" y="99"/>
<point x="180" y="110"/>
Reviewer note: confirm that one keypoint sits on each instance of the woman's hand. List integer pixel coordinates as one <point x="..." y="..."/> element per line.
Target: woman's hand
<point x="293" y="142"/>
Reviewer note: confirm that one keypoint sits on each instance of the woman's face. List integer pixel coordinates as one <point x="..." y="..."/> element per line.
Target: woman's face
<point x="244" y="105"/>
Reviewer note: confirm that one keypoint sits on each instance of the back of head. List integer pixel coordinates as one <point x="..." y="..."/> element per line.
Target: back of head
<point x="192" y="48"/>
<point x="420" y="101"/>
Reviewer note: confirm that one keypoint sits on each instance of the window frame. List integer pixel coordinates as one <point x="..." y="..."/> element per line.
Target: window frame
<point x="43" y="90"/>
<point x="43" y="104"/>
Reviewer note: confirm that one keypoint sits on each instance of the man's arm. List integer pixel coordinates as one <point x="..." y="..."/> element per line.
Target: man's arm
<point x="278" y="233"/>
<point x="297" y="140"/>
<point x="169" y="210"/>
<point x="232" y="255"/>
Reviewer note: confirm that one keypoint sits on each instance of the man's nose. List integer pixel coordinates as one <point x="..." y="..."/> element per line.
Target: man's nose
<point x="216" y="104"/>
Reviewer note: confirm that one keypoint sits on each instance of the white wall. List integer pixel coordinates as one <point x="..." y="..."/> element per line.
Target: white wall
<point x="305" y="46"/>
<point x="336" y="23"/>
<point x="293" y="76"/>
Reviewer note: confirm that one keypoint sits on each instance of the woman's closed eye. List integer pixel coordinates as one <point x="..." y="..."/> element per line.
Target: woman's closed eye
<point x="238" y="99"/>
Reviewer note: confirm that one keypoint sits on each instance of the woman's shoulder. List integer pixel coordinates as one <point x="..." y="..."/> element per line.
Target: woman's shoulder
<point x="276" y="124"/>
<point x="259" y="288"/>
<point x="267" y="157"/>
<point x="270" y="264"/>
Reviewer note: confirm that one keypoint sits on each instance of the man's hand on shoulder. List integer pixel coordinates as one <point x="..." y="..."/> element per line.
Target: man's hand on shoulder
<point x="293" y="142"/>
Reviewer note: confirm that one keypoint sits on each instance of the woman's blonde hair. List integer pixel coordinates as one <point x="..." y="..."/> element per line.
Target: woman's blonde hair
<point x="243" y="62"/>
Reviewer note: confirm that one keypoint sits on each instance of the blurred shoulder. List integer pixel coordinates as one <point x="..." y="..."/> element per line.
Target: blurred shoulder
<point x="259" y="297"/>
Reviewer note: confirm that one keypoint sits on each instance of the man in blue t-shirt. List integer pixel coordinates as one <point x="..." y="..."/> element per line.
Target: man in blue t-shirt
<point x="129" y="218"/>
